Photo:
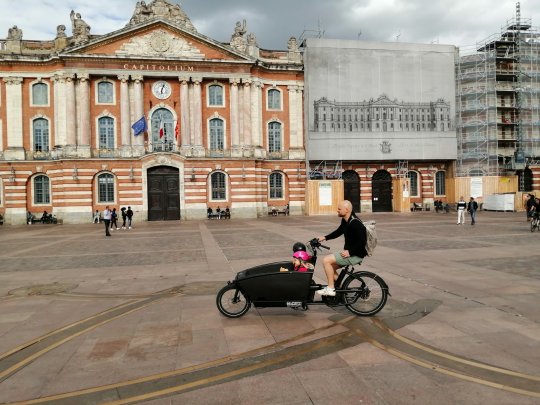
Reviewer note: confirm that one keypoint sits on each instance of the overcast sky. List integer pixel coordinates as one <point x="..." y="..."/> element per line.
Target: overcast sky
<point x="456" y="22"/>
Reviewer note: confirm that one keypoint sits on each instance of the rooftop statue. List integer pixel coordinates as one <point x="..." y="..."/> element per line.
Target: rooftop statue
<point x="80" y="29"/>
<point x="15" y="33"/>
<point x="160" y="9"/>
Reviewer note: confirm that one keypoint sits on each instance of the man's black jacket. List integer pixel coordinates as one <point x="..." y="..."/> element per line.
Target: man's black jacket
<point x="354" y="232"/>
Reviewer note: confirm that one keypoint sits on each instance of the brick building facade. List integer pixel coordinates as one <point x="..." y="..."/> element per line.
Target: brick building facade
<point x="224" y="121"/>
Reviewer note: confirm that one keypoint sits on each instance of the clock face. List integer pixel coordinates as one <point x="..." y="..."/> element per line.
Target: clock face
<point x="161" y="90"/>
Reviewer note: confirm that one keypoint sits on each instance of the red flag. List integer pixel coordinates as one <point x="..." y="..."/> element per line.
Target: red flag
<point x="161" y="129"/>
<point x="176" y="131"/>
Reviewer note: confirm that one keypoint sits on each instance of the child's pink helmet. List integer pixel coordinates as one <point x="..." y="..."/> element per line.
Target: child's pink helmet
<point x="302" y="255"/>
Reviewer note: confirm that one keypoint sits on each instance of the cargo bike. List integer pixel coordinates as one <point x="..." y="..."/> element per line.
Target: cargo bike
<point x="362" y="292"/>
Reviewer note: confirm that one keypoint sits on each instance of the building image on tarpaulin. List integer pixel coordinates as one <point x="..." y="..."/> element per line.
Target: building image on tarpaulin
<point x="381" y="110"/>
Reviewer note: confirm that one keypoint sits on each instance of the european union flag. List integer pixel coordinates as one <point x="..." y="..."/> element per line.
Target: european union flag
<point x="140" y="126"/>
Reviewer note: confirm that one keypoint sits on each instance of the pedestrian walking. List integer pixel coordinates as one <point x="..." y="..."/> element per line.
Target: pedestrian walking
<point x="129" y="214"/>
<point x="107" y="220"/>
<point x="114" y="219"/>
<point x="124" y="216"/>
<point x="472" y="206"/>
<point x="461" y="206"/>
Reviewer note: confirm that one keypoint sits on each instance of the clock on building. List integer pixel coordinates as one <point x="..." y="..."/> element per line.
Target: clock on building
<point x="161" y="89"/>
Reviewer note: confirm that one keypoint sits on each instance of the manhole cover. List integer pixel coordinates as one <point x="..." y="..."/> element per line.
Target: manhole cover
<point x="42" y="289"/>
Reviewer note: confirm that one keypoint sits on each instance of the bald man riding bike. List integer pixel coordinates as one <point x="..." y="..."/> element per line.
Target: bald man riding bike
<point x="353" y="251"/>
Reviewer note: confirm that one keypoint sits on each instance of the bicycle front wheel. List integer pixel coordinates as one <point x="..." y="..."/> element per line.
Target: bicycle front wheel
<point x="369" y="293"/>
<point x="231" y="302"/>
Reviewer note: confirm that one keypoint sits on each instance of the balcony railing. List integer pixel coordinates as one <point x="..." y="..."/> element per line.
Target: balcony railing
<point x="161" y="147"/>
<point x="218" y="153"/>
<point x="278" y="155"/>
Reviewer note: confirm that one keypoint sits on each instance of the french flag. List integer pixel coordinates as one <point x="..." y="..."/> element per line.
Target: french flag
<point x="161" y="129"/>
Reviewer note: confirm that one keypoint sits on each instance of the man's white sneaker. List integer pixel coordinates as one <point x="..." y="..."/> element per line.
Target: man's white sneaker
<point x="327" y="291"/>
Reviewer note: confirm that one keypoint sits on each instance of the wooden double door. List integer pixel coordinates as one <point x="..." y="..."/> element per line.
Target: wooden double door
<point x="163" y="194"/>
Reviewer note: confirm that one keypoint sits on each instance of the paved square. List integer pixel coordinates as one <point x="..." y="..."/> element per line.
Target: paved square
<point x="103" y="311"/>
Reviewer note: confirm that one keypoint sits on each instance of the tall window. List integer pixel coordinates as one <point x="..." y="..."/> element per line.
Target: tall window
<point x="40" y="94"/>
<point x="105" y="188"/>
<point x="162" y="127"/>
<point x="105" y="93"/>
<point x="216" y="134"/>
<point x="274" y="137"/>
<point x="276" y="185"/>
<point x="106" y="133"/>
<point x="41" y="135"/>
<point x="41" y="190"/>
<point x="440" y="186"/>
<point x="215" y="95"/>
<point x="219" y="190"/>
<point x="274" y="99"/>
<point x="413" y="177"/>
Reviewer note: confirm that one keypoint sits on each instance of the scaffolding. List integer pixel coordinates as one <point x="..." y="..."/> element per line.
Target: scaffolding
<point x="326" y="171"/>
<point x="498" y="102"/>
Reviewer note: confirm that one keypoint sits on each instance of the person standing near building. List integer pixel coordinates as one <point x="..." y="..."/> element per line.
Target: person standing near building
<point x="107" y="220"/>
<point x="472" y="207"/>
<point x="96" y="217"/>
<point x="461" y="206"/>
<point x="529" y="204"/>
<point x="129" y="214"/>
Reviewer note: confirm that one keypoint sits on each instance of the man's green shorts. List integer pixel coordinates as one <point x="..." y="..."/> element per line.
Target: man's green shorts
<point x="347" y="261"/>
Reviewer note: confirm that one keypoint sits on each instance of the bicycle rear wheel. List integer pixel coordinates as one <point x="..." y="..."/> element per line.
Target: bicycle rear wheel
<point x="231" y="302"/>
<point x="369" y="295"/>
<point x="534" y="224"/>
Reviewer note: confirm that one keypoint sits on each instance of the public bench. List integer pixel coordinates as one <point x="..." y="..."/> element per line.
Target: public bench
<point x="51" y="219"/>
<point x="276" y="211"/>
<point x="420" y="207"/>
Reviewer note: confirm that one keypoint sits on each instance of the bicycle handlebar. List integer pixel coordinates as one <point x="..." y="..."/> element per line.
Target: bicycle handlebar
<point x="316" y="244"/>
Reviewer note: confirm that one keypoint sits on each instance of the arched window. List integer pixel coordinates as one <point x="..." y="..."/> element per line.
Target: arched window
<point x="274" y="99"/>
<point x="162" y="127"/>
<point x="274" y="137"/>
<point x="440" y="185"/>
<point x="219" y="186"/>
<point x="106" y="133"/>
<point x="105" y="93"/>
<point x="413" y="177"/>
<point x="40" y="94"/>
<point x="215" y="95"/>
<point x="106" y="188"/>
<point x="42" y="194"/>
<point x="276" y="185"/>
<point x="217" y="134"/>
<point x="41" y="135"/>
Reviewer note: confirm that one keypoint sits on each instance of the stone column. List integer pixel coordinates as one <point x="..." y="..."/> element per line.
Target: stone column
<point x="71" y="128"/>
<point x="256" y="118"/>
<point x="83" y="115"/>
<point x="185" y="130"/>
<point x="14" y="119"/>
<point x="138" y="102"/>
<point x="124" y="116"/>
<point x="246" y="113"/>
<point x="296" y="149"/>
<point x="197" y="117"/>
<point x="235" y="134"/>
<point x="60" y="102"/>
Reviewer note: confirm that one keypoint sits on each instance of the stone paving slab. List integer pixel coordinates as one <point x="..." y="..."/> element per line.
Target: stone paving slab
<point x="484" y="277"/>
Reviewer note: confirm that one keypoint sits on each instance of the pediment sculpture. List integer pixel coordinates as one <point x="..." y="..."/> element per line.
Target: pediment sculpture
<point x="161" y="9"/>
<point x="160" y="43"/>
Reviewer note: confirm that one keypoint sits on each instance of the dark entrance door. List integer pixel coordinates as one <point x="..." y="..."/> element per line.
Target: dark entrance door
<point x="351" y="183"/>
<point x="381" y="192"/>
<point x="163" y="194"/>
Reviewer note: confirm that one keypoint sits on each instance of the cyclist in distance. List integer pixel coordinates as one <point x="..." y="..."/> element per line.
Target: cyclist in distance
<point x="353" y="251"/>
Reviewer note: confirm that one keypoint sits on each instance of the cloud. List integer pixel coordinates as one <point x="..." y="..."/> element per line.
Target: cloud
<point x="459" y="22"/>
